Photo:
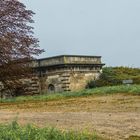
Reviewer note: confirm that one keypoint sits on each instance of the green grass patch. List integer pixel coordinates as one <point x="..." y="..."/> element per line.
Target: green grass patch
<point x="132" y="89"/>
<point x="115" y="75"/>
<point x="30" y="132"/>
<point x="133" y="138"/>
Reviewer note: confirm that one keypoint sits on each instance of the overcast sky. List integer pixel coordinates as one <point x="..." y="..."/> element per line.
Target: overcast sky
<point x="110" y="28"/>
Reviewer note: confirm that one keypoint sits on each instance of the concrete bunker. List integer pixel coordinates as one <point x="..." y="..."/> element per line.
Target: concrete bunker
<point x="66" y="72"/>
<point x="62" y="73"/>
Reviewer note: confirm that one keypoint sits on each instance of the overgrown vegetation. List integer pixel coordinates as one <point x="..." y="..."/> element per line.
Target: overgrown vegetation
<point x="132" y="89"/>
<point x="115" y="75"/>
<point x="30" y="132"/>
<point x="133" y="138"/>
<point x="14" y="131"/>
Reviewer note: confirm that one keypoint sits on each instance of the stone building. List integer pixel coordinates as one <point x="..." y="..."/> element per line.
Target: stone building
<point x="64" y="73"/>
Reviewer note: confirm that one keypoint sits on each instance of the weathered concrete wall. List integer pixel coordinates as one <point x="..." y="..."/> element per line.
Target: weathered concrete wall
<point x="62" y="73"/>
<point x="33" y="85"/>
<point x="28" y="86"/>
<point x="79" y="80"/>
<point x="67" y="72"/>
<point x="68" y="79"/>
<point x="66" y="59"/>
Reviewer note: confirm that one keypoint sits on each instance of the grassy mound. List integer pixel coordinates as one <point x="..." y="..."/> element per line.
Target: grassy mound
<point x="115" y="75"/>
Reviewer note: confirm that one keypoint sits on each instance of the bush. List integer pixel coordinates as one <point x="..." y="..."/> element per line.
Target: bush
<point x="115" y="75"/>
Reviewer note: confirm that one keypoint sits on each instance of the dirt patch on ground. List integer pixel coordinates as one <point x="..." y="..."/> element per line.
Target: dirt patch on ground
<point x="113" y="116"/>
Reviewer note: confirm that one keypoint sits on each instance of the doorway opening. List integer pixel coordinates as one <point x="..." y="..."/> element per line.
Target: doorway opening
<point x="51" y="88"/>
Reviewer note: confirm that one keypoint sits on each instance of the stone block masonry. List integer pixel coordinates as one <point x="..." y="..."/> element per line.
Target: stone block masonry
<point x="62" y="73"/>
<point x="66" y="72"/>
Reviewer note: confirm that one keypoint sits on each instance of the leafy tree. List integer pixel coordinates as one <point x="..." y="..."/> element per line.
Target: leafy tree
<point x="17" y="43"/>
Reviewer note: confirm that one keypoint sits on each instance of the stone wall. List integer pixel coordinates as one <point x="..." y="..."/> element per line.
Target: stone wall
<point x="68" y="80"/>
<point x="29" y="86"/>
<point x="62" y="73"/>
<point x="66" y="59"/>
<point x="67" y="72"/>
<point x="79" y="80"/>
<point x="32" y="85"/>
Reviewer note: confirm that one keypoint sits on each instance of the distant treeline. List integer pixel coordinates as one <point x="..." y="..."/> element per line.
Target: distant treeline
<point x="115" y="75"/>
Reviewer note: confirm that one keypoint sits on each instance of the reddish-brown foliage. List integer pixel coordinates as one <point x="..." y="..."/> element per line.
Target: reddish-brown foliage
<point x="17" y="43"/>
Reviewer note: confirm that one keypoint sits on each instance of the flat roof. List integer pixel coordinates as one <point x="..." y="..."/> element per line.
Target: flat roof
<point x="66" y="65"/>
<point x="67" y="59"/>
<point x="59" y="56"/>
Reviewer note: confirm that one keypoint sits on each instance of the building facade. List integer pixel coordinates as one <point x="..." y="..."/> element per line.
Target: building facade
<point x="64" y="73"/>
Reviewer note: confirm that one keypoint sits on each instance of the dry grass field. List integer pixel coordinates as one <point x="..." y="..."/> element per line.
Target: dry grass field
<point x="115" y="116"/>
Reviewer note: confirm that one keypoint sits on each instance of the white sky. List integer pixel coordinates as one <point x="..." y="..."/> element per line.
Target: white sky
<point x="110" y="28"/>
